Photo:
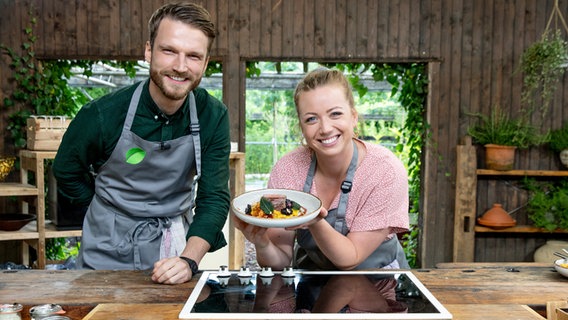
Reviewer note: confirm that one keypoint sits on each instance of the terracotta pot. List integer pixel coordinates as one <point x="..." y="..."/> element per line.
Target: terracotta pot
<point x="496" y="218"/>
<point x="545" y="253"/>
<point x="499" y="157"/>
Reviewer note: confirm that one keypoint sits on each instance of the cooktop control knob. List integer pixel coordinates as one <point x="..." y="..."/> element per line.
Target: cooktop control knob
<point x="223" y="281"/>
<point x="288" y="272"/>
<point x="223" y="272"/>
<point x="244" y="281"/>
<point x="266" y="272"/>
<point x="244" y="273"/>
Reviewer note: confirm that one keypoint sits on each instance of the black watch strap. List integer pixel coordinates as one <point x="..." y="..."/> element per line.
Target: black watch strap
<point x="192" y="264"/>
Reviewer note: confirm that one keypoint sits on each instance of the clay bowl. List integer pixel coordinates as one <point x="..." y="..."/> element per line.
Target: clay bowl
<point x="14" y="221"/>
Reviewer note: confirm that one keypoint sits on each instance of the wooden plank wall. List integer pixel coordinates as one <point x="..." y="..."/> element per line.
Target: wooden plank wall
<point x="472" y="48"/>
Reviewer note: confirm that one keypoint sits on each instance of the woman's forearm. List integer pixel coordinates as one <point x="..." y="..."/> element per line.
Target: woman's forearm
<point x="270" y="255"/>
<point x="346" y="252"/>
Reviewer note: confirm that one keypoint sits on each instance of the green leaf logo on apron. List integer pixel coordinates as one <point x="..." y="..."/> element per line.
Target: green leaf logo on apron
<point x="135" y="155"/>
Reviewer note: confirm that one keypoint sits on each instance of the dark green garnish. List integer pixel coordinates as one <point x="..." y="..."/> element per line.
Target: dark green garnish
<point x="295" y="205"/>
<point x="266" y="206"/>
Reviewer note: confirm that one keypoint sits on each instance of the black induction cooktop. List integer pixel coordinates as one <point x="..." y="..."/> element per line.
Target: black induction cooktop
<point x="298" y="294"/>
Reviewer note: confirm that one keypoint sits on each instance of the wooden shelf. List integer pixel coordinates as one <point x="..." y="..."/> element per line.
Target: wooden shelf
<point x="29" y="232"/>
<point x="52" y="232"/>
<point x="17" y="189"/>
<point x="465" y="214"/>
<point x="18" y="235"/>
<point x="516" y="229"/>
<point x="532" y="173"/>
<point x="34" y="233"/>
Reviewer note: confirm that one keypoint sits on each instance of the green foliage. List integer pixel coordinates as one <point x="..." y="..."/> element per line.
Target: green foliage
<point x="541" y="65"/>
<point x="214" y="67"/>
<point x="271" y="128"/>
<point x="558" y="139"/>
<point x="410" y="245"/>
<point x="60" y="249"/>
<point x="252" y="69"/>
<point x="499" y="128"/>
<point x="548" y="204"/>
<point x="41" y="86"/>
<point x="410" y="82"/>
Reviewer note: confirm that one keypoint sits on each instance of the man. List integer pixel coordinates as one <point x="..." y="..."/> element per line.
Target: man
<point x="148" y="145"/>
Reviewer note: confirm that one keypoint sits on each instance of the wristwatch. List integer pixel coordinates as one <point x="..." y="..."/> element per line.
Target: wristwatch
<point x="192" y="264"/>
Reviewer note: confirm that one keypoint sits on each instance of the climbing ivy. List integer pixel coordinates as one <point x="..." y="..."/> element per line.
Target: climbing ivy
<point x="410" y="81"/>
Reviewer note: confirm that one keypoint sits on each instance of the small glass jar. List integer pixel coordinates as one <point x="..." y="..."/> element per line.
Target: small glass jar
<point x="11" y="311"/>
<point x="45" y="310"/>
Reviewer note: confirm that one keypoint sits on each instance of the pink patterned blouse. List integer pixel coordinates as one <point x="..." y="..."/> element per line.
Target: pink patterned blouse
<point x="378" y="198"/>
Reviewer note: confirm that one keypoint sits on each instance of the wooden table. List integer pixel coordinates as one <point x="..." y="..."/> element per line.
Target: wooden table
<point x="469" y="291"/>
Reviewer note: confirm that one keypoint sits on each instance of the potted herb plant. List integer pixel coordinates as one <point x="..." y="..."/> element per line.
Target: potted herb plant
<point x="558" y="142"/>
<point x="502" y="135"/>
<point x="547" y="206"/>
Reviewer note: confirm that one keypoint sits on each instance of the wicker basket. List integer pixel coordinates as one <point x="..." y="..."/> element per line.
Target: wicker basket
<point x="6" y="166"/>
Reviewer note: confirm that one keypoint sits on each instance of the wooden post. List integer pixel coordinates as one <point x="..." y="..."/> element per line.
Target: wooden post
<point x="236" y="238"/>
<point x="465" y="202"/>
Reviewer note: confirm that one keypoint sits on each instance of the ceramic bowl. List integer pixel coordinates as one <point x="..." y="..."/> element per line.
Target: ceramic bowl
<point x="14" y="221"/>
<point x="561" y="265"/>
<point x="306" y="200"/>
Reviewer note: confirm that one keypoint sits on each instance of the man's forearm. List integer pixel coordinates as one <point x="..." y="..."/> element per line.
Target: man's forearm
<point x="196" y="248"/>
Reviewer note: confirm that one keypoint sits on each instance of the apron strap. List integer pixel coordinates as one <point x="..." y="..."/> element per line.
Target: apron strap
<point x="133" y="105"/>
<point x="194" y="131"/>
<point x="346" y="187"/>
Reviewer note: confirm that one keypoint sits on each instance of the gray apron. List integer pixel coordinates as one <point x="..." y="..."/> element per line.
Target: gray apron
<point x="309" y="256"/>
<point x="136" y="201"/>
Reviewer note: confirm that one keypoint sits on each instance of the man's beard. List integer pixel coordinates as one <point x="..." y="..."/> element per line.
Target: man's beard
<point x="173" y="92"/>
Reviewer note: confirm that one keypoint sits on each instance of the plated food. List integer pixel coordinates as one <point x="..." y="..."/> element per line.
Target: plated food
<point x="561" y="266"/>
<point x="276" y="208"/>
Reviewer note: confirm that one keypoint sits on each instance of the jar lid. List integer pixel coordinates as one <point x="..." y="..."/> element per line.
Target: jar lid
<point x="10" y="308"/>
<point x="45" y="309"/>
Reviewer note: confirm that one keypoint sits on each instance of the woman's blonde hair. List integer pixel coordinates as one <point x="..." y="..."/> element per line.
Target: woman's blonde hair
<point x="324" y="76"/>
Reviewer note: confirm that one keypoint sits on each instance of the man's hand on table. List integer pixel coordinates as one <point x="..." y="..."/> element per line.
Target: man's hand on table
<point x="171" y="271"/>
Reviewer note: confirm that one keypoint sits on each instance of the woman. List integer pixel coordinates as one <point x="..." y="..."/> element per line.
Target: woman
<point x="363" y="188"/>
